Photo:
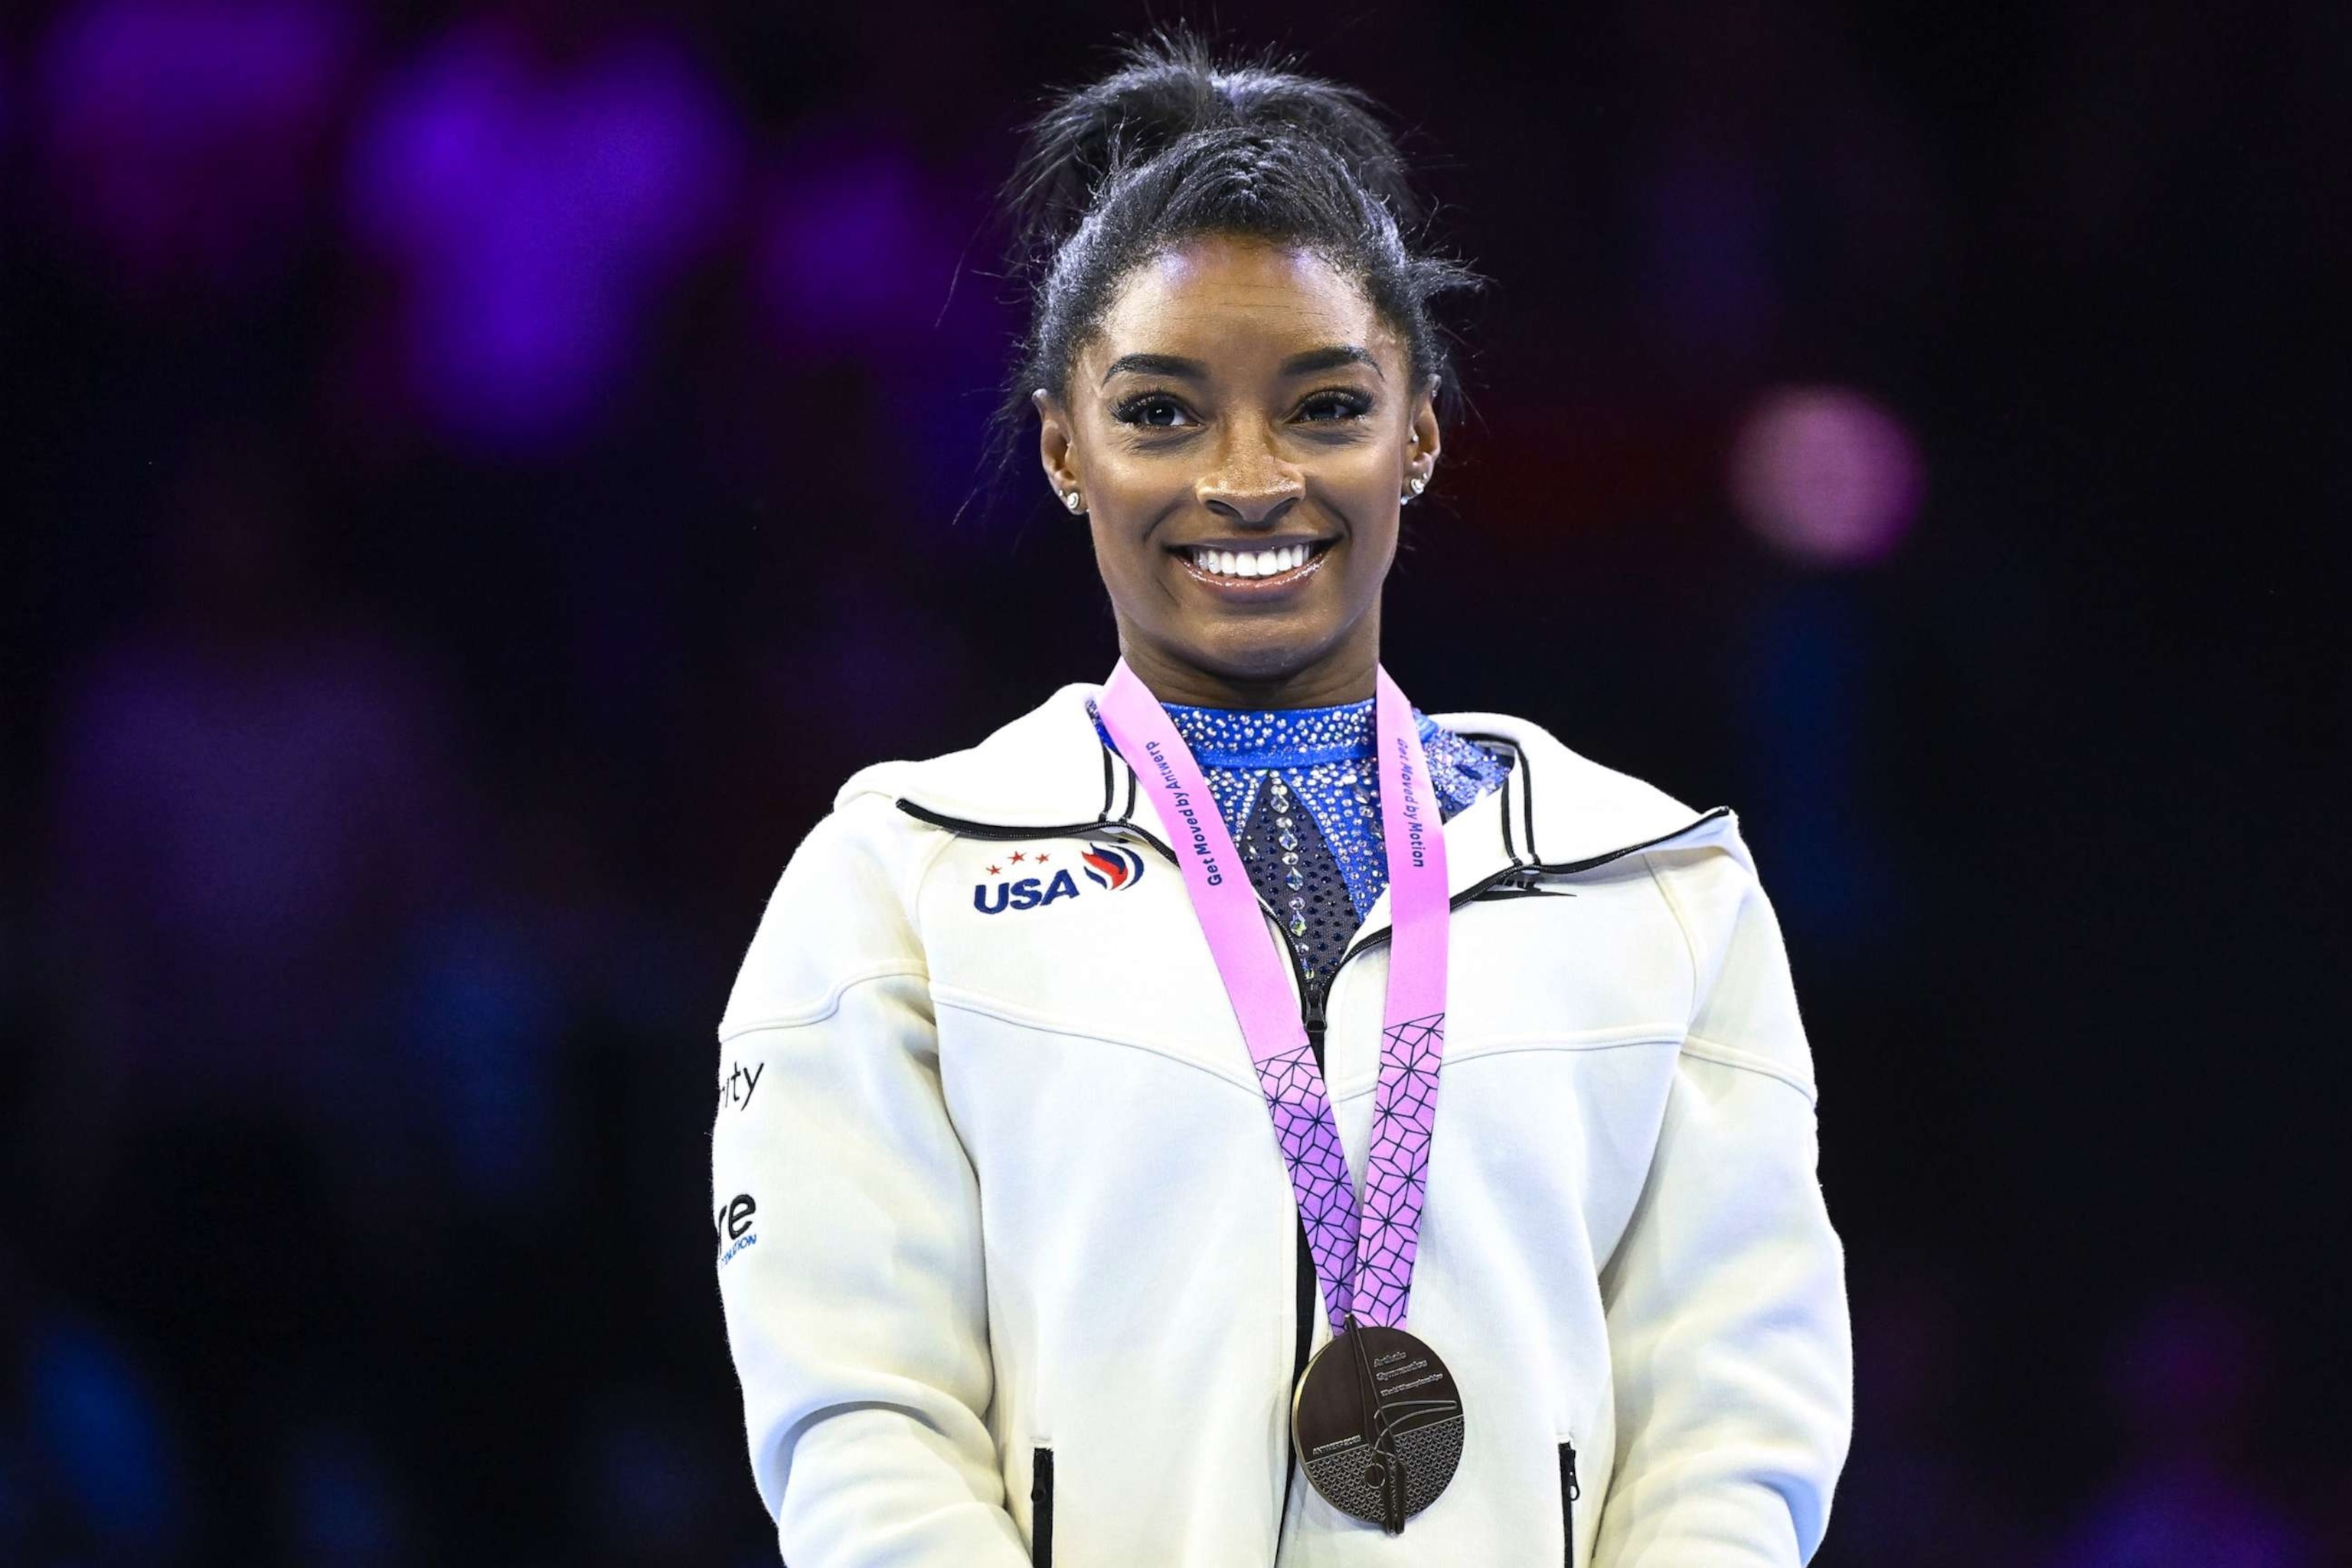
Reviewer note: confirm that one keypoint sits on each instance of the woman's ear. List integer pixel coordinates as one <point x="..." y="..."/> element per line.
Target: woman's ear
<point x="1054" y="448"/>
<point x="1423" y="439"/>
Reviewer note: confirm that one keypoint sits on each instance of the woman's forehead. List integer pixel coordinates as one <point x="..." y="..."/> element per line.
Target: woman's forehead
<point x="1235" y="301"/>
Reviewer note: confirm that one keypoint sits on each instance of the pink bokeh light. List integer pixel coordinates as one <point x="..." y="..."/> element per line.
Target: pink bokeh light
<point x="1826" y="475"/>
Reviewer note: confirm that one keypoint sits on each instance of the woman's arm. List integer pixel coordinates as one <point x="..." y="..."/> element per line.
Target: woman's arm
<point x="1725" y="1298"/>
<point x="847" y="1222"/>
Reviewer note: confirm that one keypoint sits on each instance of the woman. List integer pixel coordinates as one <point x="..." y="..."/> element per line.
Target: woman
<point x="1081" y="1200"/>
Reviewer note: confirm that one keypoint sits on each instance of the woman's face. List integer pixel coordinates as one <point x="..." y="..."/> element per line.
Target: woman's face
<point x="1242" y="429"/>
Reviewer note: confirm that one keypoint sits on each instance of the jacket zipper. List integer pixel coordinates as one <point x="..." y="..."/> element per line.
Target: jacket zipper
<point x="1569" y="1491"/>
<point x="1041" y="1508"/>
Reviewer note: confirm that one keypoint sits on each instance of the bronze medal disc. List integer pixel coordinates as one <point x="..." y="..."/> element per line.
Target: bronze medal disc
<point x="1377" y="1422"/>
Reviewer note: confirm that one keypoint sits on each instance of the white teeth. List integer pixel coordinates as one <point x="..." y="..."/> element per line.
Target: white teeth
<point x="1249" y="562"/>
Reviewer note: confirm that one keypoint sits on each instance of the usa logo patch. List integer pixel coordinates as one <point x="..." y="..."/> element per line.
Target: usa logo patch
<point x="1109" y="865"/>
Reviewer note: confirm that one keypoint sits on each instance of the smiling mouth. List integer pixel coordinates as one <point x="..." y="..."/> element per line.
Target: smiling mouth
<point x="1253" y="570"/>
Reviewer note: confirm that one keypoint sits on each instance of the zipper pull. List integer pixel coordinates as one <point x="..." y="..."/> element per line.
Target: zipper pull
<point x="1567" y="1471"/>
<point x="1315" y="1034"/>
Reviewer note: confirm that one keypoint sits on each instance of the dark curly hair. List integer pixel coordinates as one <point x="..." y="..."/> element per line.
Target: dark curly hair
<point x="1176" y="144"/>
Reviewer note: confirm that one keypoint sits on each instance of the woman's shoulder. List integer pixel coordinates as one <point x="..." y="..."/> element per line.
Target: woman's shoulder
<point x="1572" y="805"/>
<point x="1043" y="767"/>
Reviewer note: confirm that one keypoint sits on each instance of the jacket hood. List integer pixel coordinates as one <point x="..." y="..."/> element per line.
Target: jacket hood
<point x="1048" y="771"/>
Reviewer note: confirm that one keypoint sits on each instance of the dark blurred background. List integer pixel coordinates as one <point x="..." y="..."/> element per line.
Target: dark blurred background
<point x="480" y="476"/>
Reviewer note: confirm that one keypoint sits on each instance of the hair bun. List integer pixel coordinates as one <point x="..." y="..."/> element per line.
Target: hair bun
<point x="1169" y="85"/>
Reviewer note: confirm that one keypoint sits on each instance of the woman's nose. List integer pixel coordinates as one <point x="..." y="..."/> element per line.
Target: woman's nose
<point x="1250" y="485"/>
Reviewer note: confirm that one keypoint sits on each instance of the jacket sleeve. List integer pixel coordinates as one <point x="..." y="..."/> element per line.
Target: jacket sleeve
<point x="1725" y="1297"/>
<point x="847" y="1225"/>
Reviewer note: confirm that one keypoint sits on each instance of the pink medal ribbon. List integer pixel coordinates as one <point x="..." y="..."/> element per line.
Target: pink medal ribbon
<point x="1363" y="1258"/>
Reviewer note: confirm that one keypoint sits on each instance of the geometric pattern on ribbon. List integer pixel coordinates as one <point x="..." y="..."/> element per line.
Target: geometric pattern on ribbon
<point x="1404" y="1111"/>
<point x="1309" y="1139"/>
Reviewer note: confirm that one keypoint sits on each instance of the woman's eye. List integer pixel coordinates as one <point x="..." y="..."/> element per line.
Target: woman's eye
<point x="1152" y="409"/>
<point x="1329" y="405"/>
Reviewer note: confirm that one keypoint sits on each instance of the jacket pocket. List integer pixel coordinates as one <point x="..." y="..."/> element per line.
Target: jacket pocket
<point x="1041" y="1508"/>
<point x="1569" y="1492"/>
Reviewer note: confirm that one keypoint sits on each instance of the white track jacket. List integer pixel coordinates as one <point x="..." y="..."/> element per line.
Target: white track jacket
<point x="1009" y="1262"/>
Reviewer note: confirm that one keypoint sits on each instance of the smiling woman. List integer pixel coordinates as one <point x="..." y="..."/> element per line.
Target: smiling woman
<point x="1232" y="354"/>
<point x="1242" y="429"/>
<point x="1109" y="1217"/>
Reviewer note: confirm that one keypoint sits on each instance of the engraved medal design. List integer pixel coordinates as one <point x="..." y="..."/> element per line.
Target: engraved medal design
<point x="1378" y="1424"/>
<point x="1377" y="1419"/>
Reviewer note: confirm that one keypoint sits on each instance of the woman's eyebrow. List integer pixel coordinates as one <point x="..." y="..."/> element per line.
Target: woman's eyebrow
<point x="1305" y="363"/>
<point x="1158" y="364"/>
<point x="1332" y="358"/>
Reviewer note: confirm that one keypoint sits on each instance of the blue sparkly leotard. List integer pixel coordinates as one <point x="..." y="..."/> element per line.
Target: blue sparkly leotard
<point x="1297" y="789"/>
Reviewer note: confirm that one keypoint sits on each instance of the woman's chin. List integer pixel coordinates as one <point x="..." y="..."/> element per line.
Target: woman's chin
<point x="1260" y="652"/>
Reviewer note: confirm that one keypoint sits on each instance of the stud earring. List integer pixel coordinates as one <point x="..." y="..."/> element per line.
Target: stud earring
<point x="1074" y="501"/>
<point x="1415" y="484"/>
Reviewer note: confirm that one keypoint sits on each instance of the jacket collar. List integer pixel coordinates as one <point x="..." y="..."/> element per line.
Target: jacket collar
<point x="1048" y="774"/>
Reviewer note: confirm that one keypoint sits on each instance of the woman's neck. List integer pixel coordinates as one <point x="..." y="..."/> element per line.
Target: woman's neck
<point x="1346" y="676"/>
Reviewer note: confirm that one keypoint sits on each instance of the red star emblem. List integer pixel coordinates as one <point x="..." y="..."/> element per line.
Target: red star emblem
<point x="992" y="870"/>
<point x="1018" y="856"/>
<point x="1043" y="858"/>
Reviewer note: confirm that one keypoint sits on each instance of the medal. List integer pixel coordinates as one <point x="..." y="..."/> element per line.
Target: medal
<point x="1378" y="1425"/>
<point x="1376" y="1419"/>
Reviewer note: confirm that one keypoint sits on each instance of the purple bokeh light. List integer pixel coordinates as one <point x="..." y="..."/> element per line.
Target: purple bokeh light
<point x="182" y="135"/>
<point x="850" y="250"/>
<point x="533" y="213"/>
